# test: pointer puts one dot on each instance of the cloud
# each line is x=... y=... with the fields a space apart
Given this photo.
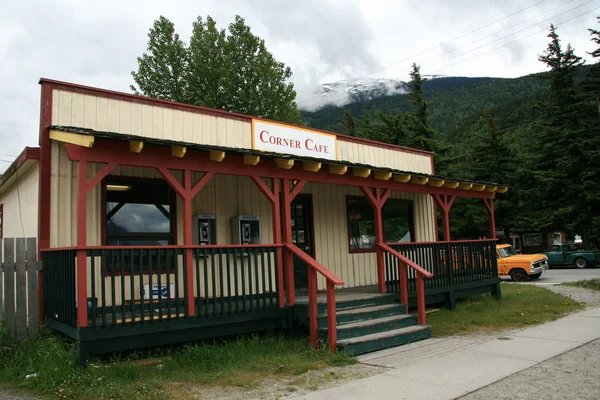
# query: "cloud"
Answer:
x=96 y=43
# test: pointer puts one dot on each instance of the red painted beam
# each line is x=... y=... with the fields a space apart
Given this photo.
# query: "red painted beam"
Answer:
x=196 y=160
x=200 y=184
x=262 y=186
x=297 y=189
x=99 y=176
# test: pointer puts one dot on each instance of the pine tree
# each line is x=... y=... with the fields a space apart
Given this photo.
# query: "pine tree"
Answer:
x=422 y=135
x=553 y=150
x=348 y=124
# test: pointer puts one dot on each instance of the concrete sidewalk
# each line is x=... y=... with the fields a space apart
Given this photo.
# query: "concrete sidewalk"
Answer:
x=450 y=368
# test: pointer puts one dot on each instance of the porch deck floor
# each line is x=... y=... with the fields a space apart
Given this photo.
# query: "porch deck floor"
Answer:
x=344 y=294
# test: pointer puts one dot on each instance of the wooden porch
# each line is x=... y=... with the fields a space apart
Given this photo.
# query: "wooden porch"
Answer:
x=234 y=289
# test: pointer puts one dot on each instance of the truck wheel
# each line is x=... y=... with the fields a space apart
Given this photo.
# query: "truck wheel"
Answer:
x=581 y=263
x=518 y=275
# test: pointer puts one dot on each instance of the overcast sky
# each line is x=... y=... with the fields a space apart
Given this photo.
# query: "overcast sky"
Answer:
x=96 y=43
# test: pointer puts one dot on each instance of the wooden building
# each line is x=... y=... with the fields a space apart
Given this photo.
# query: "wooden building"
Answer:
x=160 y=222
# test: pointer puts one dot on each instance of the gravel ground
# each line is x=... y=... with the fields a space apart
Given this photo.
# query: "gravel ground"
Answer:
x=6 y=394
x=590 y=297
x=571 y=375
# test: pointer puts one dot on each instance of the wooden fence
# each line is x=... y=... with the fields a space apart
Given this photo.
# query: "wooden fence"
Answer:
x=19 y=300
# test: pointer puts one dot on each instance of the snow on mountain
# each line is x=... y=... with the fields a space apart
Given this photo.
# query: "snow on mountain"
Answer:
x=357 y=90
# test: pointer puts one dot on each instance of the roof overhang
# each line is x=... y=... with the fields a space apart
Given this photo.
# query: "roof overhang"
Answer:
x=86 y=138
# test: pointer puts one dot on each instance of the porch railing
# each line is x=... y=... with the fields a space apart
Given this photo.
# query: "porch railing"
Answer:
x=235 y=279
x=402 y=262
x=58 y=277
x=451 y=263
x=141 y=284
x=315 y=267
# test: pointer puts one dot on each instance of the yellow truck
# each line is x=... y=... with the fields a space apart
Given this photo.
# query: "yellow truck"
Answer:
x=520 y=267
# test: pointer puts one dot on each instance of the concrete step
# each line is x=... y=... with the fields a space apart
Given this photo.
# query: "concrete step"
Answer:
x=370 y=326
x=382 y=340
x=363 y=313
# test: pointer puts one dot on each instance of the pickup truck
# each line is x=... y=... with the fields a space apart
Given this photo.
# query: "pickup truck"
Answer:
x=520 y=267
x=565 y=254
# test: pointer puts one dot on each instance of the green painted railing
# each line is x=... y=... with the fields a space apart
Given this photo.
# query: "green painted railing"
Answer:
x=235 y=279
x=58 y=286
x=129 y=285
x=143 y=284
x=451 y=263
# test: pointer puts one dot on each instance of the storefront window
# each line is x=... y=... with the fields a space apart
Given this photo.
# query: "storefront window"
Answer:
x=397 y=222
x=139 y=213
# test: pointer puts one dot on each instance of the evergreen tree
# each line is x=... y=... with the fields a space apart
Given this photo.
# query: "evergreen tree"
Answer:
x=348 y=124
x=422 y=135
x=233 y=72
x=162 y=73
x=554 y=150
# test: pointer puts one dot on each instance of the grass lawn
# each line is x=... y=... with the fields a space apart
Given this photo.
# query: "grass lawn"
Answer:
x=593 y=284
x=521 y=305
x=244 y=362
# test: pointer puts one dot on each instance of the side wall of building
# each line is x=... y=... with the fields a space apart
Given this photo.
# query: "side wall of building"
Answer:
x=20 y=203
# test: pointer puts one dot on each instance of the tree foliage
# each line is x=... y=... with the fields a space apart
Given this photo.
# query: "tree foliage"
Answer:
x=539 y=135
x=231 y=70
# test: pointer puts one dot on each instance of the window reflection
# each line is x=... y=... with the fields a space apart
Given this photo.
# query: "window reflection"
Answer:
x=140 y=215
x=397 y=222
x=138 y=218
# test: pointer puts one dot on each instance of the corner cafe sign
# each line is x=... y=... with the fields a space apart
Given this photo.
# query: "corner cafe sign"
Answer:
x=279 y=138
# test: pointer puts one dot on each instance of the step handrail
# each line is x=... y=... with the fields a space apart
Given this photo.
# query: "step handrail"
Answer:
x=332 y=282
x=403 y=262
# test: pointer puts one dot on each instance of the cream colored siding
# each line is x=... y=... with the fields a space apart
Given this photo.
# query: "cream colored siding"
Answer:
x=331 y=232
x=157 y=122
x=117 y=116
x=383 y=157
x=20 y=203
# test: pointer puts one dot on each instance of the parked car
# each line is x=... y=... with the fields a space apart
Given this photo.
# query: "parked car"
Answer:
x=520 y=267
x=565 y=254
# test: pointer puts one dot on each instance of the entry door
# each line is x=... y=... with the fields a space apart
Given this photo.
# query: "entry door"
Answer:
x=302 y=234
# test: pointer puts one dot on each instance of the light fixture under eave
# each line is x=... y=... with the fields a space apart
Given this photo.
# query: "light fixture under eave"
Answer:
x=118 y=188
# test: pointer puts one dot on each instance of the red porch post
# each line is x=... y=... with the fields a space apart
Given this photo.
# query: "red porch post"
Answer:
x=187 y=191
x=489 y=204
x=288 y=197
x=273 y=197
x=83 y=187
x=444 y=201
x=377 y=201
x=82 y=318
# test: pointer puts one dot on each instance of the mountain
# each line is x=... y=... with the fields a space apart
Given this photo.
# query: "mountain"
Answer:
x=353 y=91
x=455 y=102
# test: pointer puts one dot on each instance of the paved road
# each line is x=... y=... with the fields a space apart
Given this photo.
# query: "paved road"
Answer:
x=571 y=375
x=561 y=275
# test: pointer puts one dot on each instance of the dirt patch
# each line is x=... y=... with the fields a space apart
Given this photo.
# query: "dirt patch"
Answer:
x=277 y=388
